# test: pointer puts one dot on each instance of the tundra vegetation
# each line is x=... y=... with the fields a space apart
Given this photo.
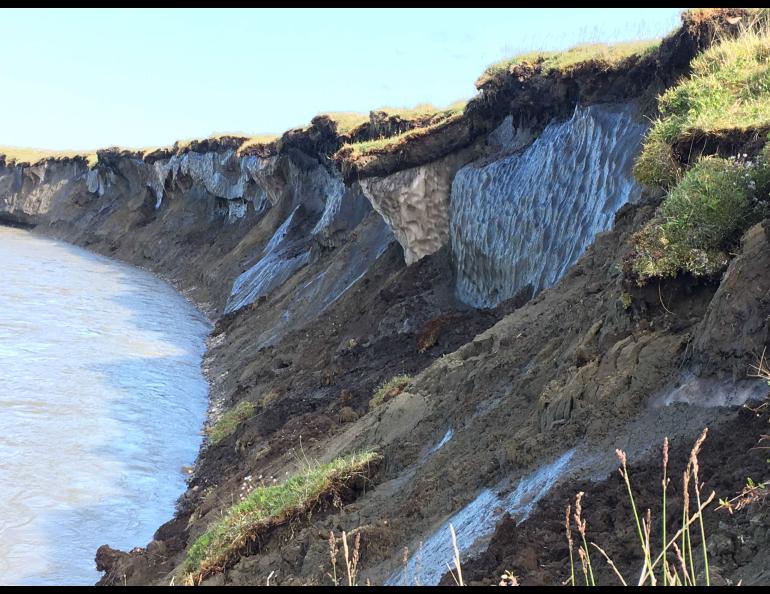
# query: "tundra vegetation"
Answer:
x=230 y=420
x=389 y=390
x=268 y=506
x=712 y=199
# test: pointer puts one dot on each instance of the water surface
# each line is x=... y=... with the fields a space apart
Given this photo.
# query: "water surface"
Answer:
x=102 y=401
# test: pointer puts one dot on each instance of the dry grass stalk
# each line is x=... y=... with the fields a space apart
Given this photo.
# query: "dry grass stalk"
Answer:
x=457 y=574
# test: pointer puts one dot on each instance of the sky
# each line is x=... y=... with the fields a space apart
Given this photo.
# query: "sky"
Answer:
x=90 y=78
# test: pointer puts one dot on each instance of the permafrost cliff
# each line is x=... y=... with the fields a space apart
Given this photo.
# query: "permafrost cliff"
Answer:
x=484 y=259
x=519 y=222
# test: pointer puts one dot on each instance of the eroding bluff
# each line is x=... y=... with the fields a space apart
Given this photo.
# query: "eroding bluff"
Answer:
x=518 y=222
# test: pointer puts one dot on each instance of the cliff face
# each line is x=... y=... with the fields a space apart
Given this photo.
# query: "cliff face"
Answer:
x=483 y=258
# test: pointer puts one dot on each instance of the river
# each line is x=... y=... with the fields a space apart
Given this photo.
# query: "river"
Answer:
x=102 y=401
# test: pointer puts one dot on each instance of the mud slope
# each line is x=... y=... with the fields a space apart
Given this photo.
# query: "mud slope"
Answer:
x=571 y=368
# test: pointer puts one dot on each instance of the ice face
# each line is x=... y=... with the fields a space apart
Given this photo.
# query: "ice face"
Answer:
x=522 y=220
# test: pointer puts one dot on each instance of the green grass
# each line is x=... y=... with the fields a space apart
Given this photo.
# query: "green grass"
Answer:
x=33 y=156
x=347 y=121
x=378 y=145
x=728 y=91
x=709 y=205
x=602 y=53
x=230 y=420
x=269 y=506
x=424 y=111
x=702 y=217
x=390 y=390
x=429 y=116
x=257 y=140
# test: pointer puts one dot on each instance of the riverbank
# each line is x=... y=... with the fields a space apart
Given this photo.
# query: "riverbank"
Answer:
x=330 y=271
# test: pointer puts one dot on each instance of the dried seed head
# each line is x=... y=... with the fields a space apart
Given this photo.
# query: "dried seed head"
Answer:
x=621 y=456
x=579 y=521
x=567 y=526
x=686 y=490
x=694 y=455
x=356 y=550
x=333 y=548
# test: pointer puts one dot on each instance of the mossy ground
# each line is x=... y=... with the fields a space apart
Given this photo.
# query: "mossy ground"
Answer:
x=268 y=506
x=390 y=390
x=711 y=201
x=230 y=420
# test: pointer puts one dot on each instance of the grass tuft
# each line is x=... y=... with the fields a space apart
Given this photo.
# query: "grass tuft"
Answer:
x=268 y=506
x=230 y=420
x=671 y=573
x=727 y=92
x=390 y=390
x=602 y=53
x=702 y=217
x=35 y=156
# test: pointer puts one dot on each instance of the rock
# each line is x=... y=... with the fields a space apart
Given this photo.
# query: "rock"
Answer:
x=346 y=396
x=107 y=558
x=721 y=544
x=735 y=330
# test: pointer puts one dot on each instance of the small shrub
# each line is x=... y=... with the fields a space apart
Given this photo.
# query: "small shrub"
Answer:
x=269 y=398
x=230 y=420
x=701 y=219
x=656 y=165
x=625 y=300
x=654 y=256
x=714 y=201
x=390 y=390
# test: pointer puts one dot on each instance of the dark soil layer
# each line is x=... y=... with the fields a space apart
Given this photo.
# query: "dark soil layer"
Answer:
x=739 y=544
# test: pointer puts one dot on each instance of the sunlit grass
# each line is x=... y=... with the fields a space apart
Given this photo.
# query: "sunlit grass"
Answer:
x=33 y=156
x=728 y=92
x=390 y=390
x=268 y=506
x=230 y=421
x=439 y=119
x=605 y=54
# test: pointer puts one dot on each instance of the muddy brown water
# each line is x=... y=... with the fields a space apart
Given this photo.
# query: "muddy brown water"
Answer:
x=102 y=400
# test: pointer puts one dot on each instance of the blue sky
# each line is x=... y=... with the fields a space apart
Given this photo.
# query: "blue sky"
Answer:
x=82 y=79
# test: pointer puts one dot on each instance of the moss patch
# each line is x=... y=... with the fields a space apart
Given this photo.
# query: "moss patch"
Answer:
x=390 y=390
x=701 y=219
x=267 y=507
x=230 y=420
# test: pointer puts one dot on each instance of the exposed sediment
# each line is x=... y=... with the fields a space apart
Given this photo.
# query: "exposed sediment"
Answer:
x=328 y=275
